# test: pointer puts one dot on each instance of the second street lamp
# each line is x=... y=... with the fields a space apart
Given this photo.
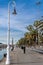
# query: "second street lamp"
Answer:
x=8 y=43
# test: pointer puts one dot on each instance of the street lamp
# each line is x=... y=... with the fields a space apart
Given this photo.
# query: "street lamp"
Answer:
x=8 y=43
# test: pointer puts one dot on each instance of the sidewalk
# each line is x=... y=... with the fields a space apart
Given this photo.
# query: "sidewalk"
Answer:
x=30 y=58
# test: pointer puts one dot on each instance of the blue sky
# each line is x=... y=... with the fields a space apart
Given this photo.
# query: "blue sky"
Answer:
x=27 y=13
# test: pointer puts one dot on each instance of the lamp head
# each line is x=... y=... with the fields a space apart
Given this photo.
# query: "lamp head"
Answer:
x=14 y=12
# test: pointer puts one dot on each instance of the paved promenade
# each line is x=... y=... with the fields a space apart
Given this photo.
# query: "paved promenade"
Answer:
x=30 y=58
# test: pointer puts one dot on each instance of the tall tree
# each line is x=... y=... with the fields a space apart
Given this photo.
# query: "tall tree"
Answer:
x=30 y=28
x=36 y=24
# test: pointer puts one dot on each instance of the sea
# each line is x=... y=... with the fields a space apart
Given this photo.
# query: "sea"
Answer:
x=2 y=52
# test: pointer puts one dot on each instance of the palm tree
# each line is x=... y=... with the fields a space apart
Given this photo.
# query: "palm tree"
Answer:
x=30 y=28
x=32 y=34
x=36 y=24
x=28 y=38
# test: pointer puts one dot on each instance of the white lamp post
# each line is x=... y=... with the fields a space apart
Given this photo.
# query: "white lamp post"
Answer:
x=8 y=43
